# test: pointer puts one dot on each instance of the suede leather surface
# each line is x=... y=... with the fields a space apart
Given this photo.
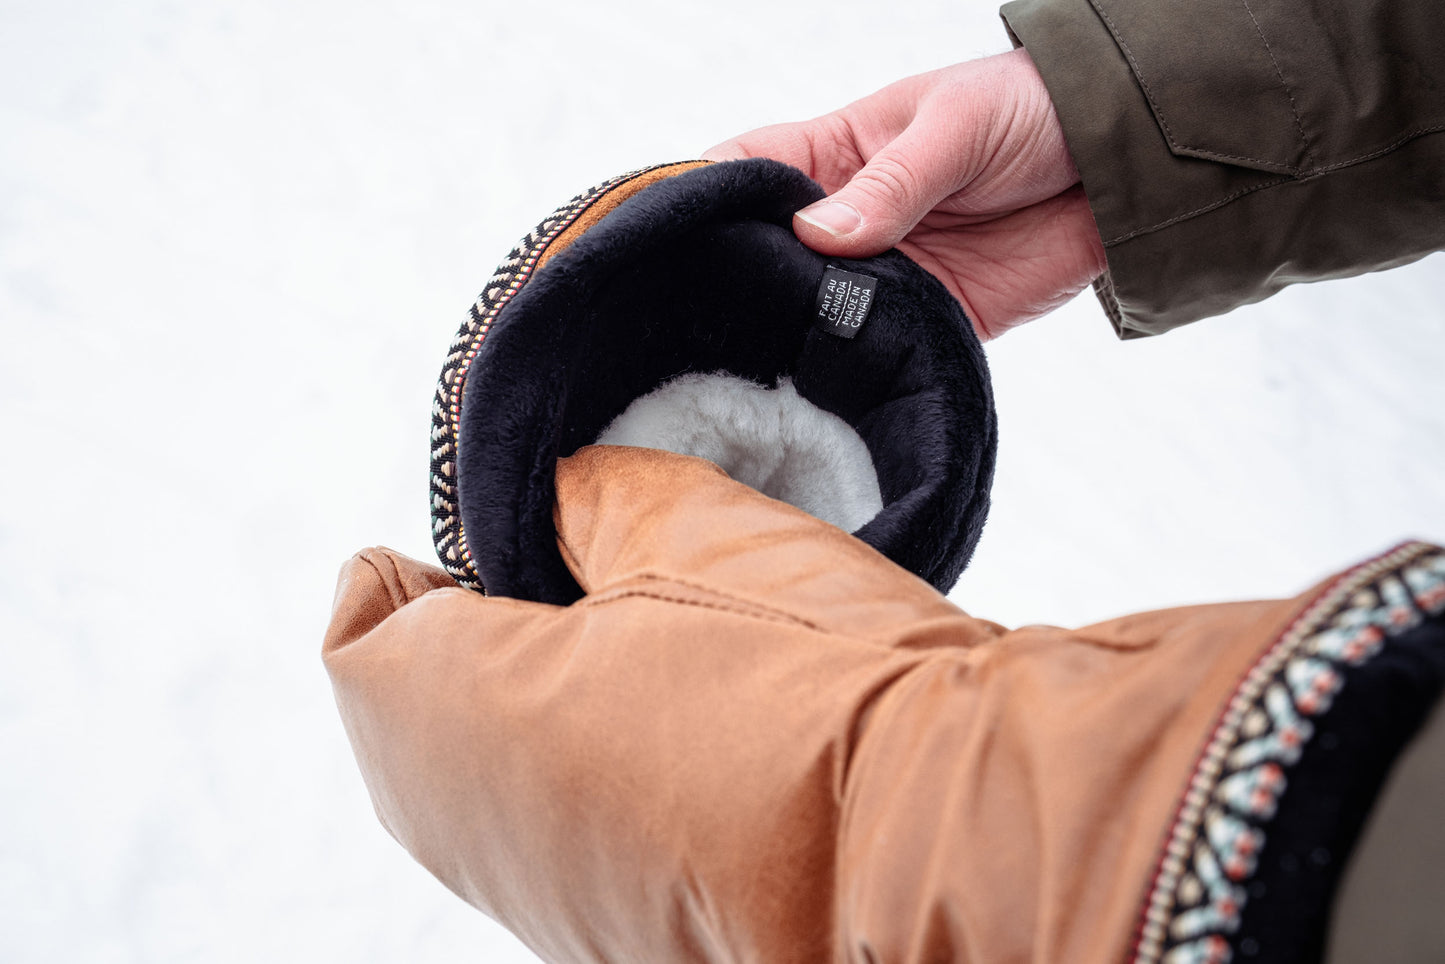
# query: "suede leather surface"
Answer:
x=700 y=272
x=769 y=743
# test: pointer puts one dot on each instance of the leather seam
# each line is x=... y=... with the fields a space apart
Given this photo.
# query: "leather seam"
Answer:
x=781 y=614
x=727 y=606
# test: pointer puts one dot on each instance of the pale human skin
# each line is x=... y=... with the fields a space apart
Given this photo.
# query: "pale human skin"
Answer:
x=965 y=170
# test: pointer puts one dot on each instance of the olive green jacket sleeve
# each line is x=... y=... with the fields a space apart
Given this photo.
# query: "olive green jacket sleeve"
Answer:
x=1231 y=147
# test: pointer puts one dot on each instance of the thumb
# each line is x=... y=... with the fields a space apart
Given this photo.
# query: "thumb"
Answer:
x=887 y=198
x=372 y=585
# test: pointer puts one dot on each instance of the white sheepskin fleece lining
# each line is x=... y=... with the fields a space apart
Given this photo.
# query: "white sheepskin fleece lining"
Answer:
x=772 y=439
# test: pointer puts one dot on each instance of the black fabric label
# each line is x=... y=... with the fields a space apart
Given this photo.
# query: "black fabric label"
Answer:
x=844 y=299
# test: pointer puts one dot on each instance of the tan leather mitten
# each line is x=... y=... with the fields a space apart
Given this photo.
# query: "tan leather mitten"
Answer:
x=756 y=739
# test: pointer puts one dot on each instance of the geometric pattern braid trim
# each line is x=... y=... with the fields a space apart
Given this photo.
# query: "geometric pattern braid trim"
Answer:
x=447 y=533
x=1199 y=887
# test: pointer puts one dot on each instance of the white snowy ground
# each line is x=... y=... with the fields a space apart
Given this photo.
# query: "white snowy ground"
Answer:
x=235 y=239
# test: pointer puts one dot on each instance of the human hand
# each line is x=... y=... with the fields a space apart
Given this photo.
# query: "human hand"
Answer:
x=963 y=169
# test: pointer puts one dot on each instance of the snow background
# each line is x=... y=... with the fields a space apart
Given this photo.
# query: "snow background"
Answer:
x=235 y=240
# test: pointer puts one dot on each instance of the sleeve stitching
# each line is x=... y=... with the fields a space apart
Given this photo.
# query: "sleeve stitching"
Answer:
x=1205 y=209
x=1293 y=107
x=1399 y=142
x=1310 y=175
x=1153 y=102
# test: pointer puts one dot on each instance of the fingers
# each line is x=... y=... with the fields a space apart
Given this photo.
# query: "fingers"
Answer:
x=886 y=161
x=794 y=144
x=886 y=199
x=726 y=151
x=910 y=167
x=978 y=139
x=963 y=140
x=1013 y=269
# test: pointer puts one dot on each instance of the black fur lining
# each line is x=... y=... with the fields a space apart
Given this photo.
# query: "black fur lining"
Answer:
x=701 y=272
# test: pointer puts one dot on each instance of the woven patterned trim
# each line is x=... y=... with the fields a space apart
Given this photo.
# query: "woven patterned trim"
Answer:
x=447 y=533
x=1199 y=887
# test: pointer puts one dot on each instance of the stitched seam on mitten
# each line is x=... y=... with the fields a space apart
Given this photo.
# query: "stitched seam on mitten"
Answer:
x=721 y=603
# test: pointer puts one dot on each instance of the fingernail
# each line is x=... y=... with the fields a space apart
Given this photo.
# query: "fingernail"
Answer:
x=835 y=217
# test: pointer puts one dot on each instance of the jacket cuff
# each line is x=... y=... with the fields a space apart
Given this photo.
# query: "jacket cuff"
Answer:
x=1105 y=119
x=1139 y=185
x=1209 y=175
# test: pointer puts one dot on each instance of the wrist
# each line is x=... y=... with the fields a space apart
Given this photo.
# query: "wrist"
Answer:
x=1043 y=144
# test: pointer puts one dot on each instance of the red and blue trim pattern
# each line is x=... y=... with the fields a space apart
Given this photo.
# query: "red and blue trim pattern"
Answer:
x=1241 y=848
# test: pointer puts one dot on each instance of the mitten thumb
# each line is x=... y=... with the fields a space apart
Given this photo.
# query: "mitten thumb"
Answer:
x=372 y=585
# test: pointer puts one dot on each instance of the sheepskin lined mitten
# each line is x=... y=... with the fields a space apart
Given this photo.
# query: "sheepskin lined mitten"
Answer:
x=674 y=308
x=757 y=739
